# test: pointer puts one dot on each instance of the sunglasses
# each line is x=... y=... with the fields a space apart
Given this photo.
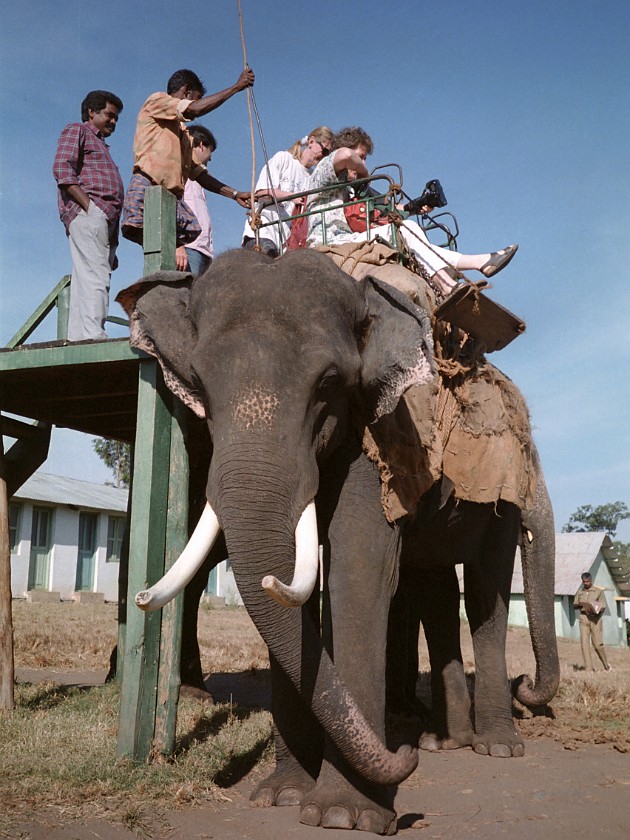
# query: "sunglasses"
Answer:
x=325 y=151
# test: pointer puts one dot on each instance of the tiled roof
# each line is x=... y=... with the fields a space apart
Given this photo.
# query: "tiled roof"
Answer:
x=56 y=489
x=575 y=553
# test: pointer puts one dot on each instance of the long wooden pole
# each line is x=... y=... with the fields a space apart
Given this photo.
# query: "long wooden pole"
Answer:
x=7 y=668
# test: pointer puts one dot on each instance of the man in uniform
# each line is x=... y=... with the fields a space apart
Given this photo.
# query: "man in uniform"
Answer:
x=590 y=602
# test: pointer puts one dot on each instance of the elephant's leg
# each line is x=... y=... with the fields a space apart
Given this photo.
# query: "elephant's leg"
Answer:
x=190 y=665
x=487 y=585
x=298 y=740
x=402 y=645
x=361 y=581
x=439 y=599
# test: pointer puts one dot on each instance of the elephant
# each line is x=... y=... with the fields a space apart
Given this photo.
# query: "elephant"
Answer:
x=287 y=361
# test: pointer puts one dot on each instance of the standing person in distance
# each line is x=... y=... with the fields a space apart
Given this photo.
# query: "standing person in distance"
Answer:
x=590 y=601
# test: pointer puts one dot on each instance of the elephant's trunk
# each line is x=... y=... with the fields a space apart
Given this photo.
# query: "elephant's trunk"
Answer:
x=257 y=511
x=538 y=560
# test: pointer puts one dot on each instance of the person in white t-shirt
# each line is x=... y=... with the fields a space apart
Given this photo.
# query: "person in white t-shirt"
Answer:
x=287 y=172
x=197 y=255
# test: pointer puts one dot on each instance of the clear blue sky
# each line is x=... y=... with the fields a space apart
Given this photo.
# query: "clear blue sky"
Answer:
x=521 y=109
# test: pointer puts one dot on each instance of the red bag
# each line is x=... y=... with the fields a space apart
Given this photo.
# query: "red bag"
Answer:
x=356 y=217
x=299 y=229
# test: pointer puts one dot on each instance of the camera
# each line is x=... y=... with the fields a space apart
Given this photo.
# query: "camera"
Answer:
x=433 y=196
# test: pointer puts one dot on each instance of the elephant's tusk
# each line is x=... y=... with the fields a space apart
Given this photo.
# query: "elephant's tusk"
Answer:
x=306 y=564
x=187 y=564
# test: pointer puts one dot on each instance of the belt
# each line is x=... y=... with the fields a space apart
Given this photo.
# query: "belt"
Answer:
x=144 y=175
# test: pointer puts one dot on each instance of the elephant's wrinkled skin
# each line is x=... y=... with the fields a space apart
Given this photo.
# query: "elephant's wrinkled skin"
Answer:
x=287 y=360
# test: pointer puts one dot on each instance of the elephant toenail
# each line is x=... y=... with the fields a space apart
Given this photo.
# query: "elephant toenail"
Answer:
x=518 y=750
x=264 y=798
x=500 y=751
x=371 y=821
x=429 y=743
x=337 y=817
x=310 y=814
x=289 y=796
x=482 y=749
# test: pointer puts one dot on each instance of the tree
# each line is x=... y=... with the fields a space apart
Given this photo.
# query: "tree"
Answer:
x=116 y=456
x=599 y=518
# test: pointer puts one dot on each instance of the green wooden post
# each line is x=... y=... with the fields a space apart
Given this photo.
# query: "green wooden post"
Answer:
x=7 y=665
x=159 y=230
x=176 y=538
x=63 y=311
x=146 y=555
x=158 y=531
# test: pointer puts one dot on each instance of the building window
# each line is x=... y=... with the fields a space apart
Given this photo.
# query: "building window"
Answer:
x=115 y=533
x=14 y=526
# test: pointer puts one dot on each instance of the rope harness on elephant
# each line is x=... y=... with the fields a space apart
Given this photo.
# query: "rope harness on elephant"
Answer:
x=471 y=425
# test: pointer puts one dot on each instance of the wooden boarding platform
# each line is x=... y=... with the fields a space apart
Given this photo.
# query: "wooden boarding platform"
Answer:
x=106 y=388
x=88 y=386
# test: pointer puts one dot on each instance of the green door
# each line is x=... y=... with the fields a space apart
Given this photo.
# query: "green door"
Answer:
x=211 y=588
x=39 y=565
x=85 y=556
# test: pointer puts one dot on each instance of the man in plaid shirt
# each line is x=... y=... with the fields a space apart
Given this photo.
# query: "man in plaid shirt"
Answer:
x=90 y=200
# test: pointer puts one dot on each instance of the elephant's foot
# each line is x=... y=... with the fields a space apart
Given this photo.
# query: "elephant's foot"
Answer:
x=342 y=806
x=431 y=742
x=505 y=743
x=282 y=788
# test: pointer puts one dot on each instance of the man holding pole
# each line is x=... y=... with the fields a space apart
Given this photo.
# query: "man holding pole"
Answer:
x=162 y=151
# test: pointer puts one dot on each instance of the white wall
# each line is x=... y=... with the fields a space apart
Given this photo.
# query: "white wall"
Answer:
x=63 y=554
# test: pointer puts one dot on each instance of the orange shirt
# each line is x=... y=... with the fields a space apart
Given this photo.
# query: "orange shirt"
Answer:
x=162 y=147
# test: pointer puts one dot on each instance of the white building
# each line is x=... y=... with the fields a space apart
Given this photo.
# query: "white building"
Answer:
x=66 y=537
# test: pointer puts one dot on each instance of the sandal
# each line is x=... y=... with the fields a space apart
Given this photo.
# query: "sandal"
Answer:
x=498 y=261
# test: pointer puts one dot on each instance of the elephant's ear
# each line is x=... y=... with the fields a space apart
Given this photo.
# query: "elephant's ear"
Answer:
x=396 y=347
x=157 y=307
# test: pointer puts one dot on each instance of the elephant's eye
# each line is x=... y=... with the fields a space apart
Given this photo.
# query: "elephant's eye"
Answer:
x=328 y=383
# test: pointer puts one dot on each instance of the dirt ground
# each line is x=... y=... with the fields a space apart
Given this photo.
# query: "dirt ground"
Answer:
x=559 y=789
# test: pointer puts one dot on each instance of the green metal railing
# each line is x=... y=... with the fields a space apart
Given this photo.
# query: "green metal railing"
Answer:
x=385 y=201
x=59 y=297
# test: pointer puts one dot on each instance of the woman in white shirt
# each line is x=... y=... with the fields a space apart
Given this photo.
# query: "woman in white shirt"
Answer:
x=287 y=172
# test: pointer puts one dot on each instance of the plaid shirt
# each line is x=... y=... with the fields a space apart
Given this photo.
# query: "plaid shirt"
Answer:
x=83 y=159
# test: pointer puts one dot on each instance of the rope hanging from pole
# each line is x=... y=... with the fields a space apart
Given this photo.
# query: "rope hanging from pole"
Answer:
x=253 y=213
x=255 y=220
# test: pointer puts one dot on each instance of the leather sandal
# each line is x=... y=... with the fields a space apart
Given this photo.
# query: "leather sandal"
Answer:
x=498 y=261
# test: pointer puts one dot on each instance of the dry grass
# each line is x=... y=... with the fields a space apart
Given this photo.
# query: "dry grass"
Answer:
x=58 y=749
x=62 y=636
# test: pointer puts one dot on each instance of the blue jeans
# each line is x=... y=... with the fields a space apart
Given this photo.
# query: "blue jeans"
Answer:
x=198 y=263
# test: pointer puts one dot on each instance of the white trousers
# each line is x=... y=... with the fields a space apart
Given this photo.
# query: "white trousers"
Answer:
x=92 y=260
x=431 y=256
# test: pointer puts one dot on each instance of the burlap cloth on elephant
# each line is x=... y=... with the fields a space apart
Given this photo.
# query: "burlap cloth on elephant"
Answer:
x=471 y=425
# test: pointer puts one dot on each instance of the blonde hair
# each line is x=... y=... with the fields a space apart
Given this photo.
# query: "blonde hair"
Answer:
x=322 y=134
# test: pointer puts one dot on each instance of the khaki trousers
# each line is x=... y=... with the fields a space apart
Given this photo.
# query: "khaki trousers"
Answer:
x=92 y=260
x=591 y=630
